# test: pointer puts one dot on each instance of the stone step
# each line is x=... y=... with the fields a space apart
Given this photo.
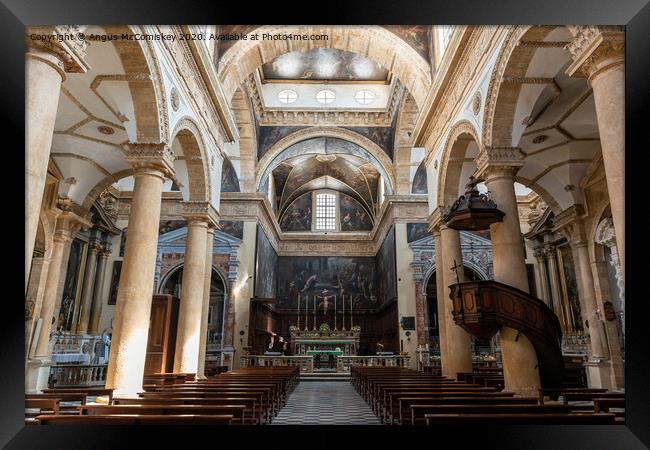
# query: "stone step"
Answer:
x=325 y=376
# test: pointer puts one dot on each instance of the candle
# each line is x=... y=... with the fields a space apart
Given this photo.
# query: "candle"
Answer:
x=335 y=313
x=343 y=300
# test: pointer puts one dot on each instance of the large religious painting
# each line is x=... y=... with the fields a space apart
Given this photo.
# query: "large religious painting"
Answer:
x=416 y=231
x=386 y=268
x=266 y=262
x=352 y=215
x=323 y=64
x=229 y=180
x=297 y=217
x=346 y=277
x=234 y=228
x=419 y=185
x=269 y=135
x=72 y=285
x=382 y=136
x=115 y=282
x=570 y=289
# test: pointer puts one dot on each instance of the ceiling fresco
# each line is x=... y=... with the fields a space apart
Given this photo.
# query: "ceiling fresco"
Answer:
x=382 y=136
x=267 y=136
x=417 y=36
x=341 y=172
x=323 y=64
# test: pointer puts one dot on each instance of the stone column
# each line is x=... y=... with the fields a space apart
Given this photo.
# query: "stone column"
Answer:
x=67 y=224
x=88 y=285
x=599 y=55
x=188 y=333
x=200 y=373
x=96 y=307
x=459 y=354
x=440 y=294
x=152 y=164
x=543 y=276
x=46 y=63
x=498 y=167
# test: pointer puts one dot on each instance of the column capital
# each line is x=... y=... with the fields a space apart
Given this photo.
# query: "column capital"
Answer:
x=106 y=249
x=200 y=211
x=70 y=220
x=595 y=49
x=540 y=255
x=499 y=161
x=94 y=246
x=145 y=157
x=569 y=223
x=64 y=47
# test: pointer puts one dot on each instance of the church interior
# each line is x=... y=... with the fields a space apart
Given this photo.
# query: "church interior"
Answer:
x=397 y=225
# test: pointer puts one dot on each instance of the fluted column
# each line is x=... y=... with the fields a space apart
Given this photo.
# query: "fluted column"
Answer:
x=186 y=358
x=46 y=63
x=599 y=55
x=152 y=164
x=88 y=285
x=96 y=307
x=498 y=167
x=200 y=373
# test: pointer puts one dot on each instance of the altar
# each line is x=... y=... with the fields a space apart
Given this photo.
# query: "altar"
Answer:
x=325 y=344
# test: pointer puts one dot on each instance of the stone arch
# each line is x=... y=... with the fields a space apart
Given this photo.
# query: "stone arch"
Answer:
x=265 y=164
x=245 y=120
x=405 y=124
x=374 y=42
x=196 y=158
x=145 y=84
x=172 y=270
x=452 y=160
x=103 y=185
x=432 y=269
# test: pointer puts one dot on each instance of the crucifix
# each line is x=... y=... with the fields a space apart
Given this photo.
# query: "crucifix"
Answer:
x=455 y=269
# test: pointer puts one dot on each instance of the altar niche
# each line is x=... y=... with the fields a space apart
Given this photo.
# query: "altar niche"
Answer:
x=325 y=345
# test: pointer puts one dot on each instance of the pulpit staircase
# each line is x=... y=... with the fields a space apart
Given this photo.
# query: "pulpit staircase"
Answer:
x=482 y=308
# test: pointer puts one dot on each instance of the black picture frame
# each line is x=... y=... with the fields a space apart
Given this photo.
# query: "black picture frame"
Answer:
x=635 y=14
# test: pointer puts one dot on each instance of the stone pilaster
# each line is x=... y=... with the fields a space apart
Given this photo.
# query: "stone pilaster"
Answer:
x=543 y=276
x=598 y=54
x=152 y=164
x=46 y=64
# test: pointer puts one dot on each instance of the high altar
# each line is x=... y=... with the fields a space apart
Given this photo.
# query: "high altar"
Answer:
x=325 y=341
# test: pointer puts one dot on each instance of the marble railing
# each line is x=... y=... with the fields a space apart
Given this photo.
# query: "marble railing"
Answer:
x=77 y=375
x=306 y=363
x=343 y=363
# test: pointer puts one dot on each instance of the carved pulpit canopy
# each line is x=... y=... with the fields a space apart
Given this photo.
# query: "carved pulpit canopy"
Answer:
x=473 y=211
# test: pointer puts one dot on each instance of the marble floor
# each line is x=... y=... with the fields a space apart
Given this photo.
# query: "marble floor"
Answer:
x=325 y=403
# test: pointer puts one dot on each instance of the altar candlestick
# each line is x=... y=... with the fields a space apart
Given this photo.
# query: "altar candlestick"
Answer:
x=343 y=301
x=335 y=328
x=350 y=313
x=314 y=313
x=298 y=325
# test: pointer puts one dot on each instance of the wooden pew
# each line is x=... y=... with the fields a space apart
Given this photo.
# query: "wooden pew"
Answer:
x=135 y=420
x=90 y=392
x=419 y=412
x=603 y=405
x=40 y=406
x=236 y=411
x=252 y=411
x=520 y=419
x=401 y=401
x=79 y=398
